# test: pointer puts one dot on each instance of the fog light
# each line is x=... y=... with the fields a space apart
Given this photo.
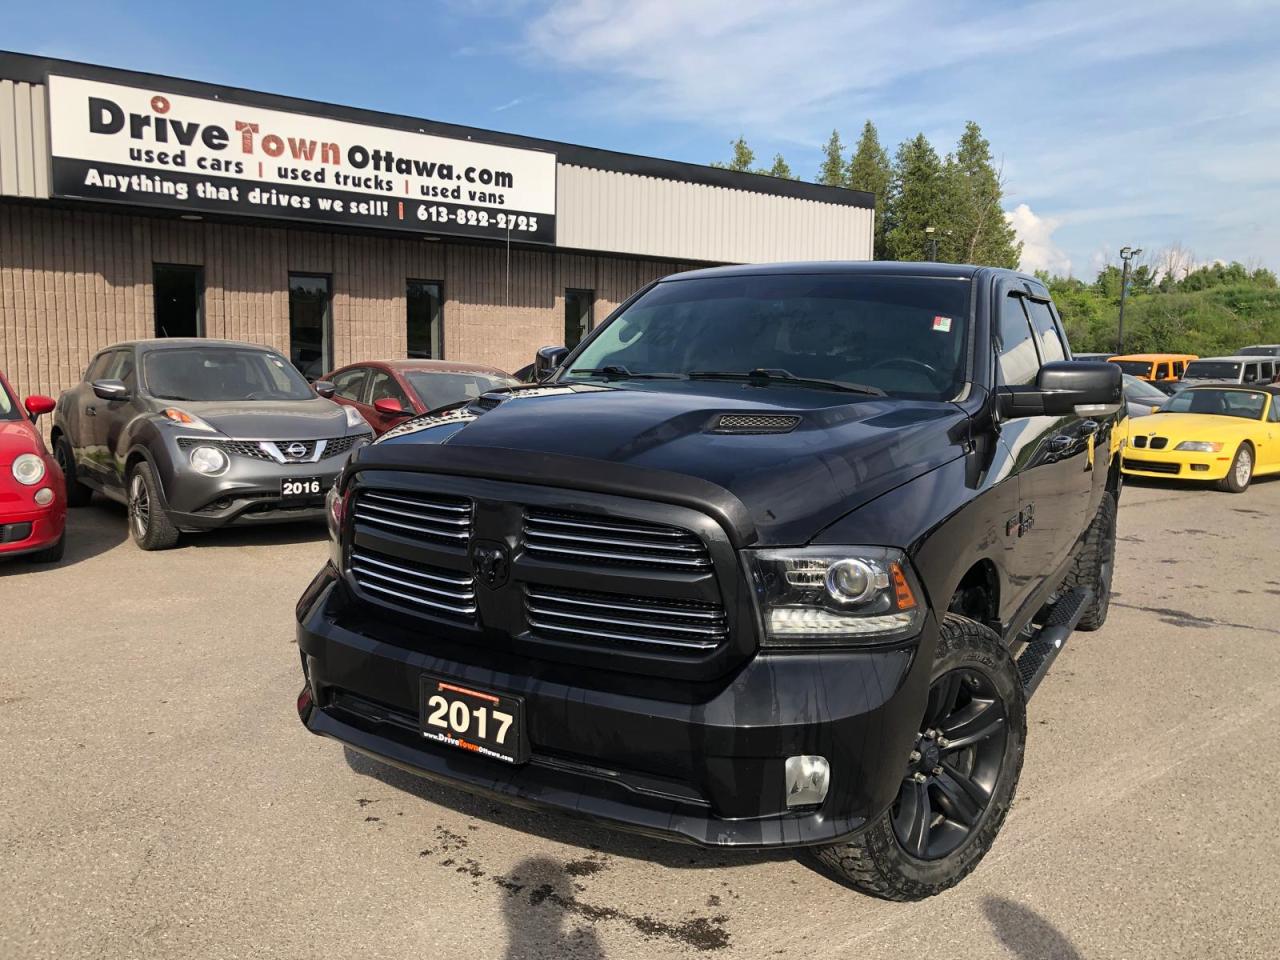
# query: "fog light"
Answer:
x=1199 y=466
x=44 y=496
x=807 y=780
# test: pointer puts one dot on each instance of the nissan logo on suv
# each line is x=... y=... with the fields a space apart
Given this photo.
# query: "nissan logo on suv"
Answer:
x=296 y=450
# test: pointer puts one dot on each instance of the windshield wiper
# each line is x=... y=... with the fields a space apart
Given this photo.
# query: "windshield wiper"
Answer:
x=616 y=371
x=762 y=375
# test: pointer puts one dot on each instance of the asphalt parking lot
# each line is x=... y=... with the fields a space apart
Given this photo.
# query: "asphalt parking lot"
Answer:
x=159 y=798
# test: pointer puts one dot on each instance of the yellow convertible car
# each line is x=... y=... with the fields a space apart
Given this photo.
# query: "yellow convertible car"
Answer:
x=1213 y=432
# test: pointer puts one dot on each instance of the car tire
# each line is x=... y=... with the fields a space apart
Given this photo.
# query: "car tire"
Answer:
x=78 y=495
x=971 y=793
x=1240 y=474
x=50 y=554
x=1094 y=564
x=149 y=524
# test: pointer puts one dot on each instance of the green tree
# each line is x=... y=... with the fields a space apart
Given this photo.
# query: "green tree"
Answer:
x=869 y=170
x=918 y=198
x=780 y=168
x=980 y=232
x=832 y=171
x=743 y=160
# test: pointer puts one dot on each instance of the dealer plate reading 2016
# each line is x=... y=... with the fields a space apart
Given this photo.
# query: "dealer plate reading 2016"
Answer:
x=301 y=487
x=489 y=724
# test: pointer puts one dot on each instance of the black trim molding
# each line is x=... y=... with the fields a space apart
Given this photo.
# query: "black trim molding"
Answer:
x=27 y=68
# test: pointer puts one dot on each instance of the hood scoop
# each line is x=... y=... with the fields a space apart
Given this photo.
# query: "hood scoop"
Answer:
x=756 y=423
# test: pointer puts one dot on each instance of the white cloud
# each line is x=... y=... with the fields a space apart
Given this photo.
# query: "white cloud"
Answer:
x=1039 y=252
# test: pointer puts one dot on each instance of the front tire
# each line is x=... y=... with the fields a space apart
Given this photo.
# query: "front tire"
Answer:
x=959 y=781
x=1241 y=473
x=149 y=525
x=78 y=495
x=1094 y=564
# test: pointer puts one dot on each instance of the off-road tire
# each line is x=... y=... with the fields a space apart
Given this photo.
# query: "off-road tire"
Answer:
x=78 y=495
x=155 y=531
x=1094 y=564
x=50 y=554
x=1231 y=483
x=874 y=862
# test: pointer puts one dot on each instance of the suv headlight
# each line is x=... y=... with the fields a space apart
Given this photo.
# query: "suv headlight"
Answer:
x=835 y=596
x=28 y=469
x=209 y=460
x=1199 y=446
x=355 y=418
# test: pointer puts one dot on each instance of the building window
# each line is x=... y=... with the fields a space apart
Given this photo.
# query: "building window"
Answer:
x=179 y=300
x=424 y=305
x=310 y=324
x=578 y=306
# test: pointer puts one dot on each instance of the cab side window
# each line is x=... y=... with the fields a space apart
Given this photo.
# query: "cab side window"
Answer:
x=384 y=387
x=122 y=369
x=1178 y=367
x=1051 y=347
x=1250 y=373
x=350 y=385
x=97 y=367
x=1162 y=371
x=1019 y=363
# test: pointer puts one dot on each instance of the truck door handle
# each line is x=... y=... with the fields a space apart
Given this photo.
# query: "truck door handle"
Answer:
x=1088 y=428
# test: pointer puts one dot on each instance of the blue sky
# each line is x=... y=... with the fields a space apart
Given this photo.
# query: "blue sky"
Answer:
x=1149 y=124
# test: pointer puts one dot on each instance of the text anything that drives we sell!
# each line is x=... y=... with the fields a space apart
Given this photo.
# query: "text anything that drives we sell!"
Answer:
x=128 y=145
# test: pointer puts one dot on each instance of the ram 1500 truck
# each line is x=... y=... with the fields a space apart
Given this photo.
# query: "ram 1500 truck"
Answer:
x=774 y=558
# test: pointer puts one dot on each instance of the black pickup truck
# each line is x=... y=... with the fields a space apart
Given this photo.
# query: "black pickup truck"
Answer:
x=774 y=558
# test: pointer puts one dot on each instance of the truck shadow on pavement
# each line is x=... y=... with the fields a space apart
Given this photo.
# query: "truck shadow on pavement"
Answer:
x=1026 y=934
x=557 y=827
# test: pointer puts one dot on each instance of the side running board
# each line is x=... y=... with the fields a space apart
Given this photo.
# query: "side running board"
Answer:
x=1038 y=657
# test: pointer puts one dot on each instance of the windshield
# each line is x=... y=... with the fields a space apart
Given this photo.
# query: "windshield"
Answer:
x=1139 y=390
x=1248 y=404
x=222 y=373
x=1135 y=368
x=1212 y=370
x=8 y=406
x=903 y=335
x=444 y=389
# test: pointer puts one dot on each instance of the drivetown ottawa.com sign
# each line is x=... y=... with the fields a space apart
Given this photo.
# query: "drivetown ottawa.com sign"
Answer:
x=195 y=154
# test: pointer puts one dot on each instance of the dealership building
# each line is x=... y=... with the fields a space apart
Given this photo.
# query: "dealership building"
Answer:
x=135 y=205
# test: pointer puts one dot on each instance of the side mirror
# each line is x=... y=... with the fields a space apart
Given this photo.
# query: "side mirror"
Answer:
x=325 y=388
x=39 y=404
x=110 y=389
x=391 y=408
x=1066 y=387
x=547 y=360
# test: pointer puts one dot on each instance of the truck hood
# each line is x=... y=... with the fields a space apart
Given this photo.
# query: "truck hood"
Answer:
x=843 y=451
x=315 y=419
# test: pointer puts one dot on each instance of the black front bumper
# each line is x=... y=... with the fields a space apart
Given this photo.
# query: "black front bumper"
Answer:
x=697 y=762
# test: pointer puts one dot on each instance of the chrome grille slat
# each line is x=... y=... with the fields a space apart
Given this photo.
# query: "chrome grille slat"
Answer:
x=381 y=497
x=627 y=542
x=575 y=615
x=420 y=587
x=428 y=516
x=369 y=504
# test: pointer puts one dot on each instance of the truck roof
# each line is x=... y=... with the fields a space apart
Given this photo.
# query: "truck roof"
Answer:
x=869 y=268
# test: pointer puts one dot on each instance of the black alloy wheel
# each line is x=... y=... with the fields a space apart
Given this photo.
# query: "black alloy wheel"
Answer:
x=954 y=766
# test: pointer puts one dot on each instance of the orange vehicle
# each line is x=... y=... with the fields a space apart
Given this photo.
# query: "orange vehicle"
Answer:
x=1157 y=368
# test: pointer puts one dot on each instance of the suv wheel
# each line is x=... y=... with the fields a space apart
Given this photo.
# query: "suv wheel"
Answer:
x=1241 y=472
x=959 y=780
x=1094 y=563
x=149 y=525
x=77 y=493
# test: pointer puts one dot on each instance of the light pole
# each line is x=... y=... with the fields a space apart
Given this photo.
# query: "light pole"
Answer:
x=931 y=244
x=1126 y=254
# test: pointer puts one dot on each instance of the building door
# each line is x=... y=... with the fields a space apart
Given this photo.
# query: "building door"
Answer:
x=424 y=306
x=310 y=324
x=578 y=306
x=179 y=300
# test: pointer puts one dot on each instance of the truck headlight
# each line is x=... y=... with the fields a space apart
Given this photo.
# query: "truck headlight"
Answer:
x=834 y=596
x=1198 y=446
x=209 y=460
x=28 y=469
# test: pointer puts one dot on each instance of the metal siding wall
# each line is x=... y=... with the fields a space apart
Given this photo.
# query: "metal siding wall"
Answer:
x=24 y=141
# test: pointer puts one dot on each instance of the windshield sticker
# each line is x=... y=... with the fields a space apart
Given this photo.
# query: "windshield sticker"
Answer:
x=941 y=324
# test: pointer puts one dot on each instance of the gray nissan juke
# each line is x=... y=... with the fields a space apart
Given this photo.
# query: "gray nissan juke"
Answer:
x=195 y=434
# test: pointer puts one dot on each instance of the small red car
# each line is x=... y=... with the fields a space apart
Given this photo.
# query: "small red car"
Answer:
x=387 y=392
x=33 y=497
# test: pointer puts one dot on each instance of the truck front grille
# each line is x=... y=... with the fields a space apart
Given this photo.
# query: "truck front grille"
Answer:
x=415 y=515
x=608 y=619
x=582 y=537
x=414 y=586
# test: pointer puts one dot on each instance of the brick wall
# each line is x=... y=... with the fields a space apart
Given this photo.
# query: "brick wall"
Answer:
x=72 y=282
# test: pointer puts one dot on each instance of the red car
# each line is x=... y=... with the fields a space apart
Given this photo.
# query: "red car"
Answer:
x=33 y=497
x=386 y=392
